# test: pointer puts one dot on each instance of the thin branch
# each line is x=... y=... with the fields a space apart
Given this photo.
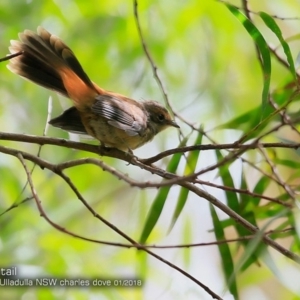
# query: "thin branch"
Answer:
x=220 y=242
x=247 y=13
x=149 y=57
x=10 y=56
x=279 y=180
x=134 y=243
x=253 y=229
x=15 y=205
x=243 y=191
x=188 y=185
x=206 y=147
x=115 y=153
x=141 y=162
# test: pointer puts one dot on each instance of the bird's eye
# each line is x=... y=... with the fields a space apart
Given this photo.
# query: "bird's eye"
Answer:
x=160 y=117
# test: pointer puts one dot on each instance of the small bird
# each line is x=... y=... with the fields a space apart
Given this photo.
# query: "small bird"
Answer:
x=115 y=120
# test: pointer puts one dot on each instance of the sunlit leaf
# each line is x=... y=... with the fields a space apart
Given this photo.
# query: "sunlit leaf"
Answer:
x=269 y=21
x=264 y=51
x=225 y=254
x=160 y=199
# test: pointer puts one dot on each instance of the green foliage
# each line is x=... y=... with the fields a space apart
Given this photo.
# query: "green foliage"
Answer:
x=227 y=259
x=160 y=200
x=263 y=51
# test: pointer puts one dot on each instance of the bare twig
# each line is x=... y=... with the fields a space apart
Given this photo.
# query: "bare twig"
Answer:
x=243 y=191
x=110 y=225
x=115 y=153
x=15 y=205
x=279 y=180
x=220 y=242
x=10 y=56
x=149 y=56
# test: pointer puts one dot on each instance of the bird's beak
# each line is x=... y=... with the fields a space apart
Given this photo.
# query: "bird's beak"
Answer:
x=174 y=124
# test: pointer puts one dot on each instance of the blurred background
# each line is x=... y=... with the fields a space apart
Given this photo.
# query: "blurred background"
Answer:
x=209 y=69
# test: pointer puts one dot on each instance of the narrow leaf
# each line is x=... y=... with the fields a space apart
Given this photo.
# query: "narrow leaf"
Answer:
x=225 y=253
x=264 y=51
x=190 y=167
x=269 y=21
x=160 y=199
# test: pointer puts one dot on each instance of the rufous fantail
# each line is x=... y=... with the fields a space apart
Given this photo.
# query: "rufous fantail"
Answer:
x=115 y=120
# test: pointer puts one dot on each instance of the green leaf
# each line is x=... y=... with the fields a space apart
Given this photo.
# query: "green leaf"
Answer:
x=190 y=167
x=255 y=244
x=231 y=197
x=287 y=162
x=293 y=219
x=225 y=253
x=238 y=206
x=269 y=21
x=260 y=188
x=187 y=237
x=242 y=121
x=262 y=46
x=250 y=122
x=160 y=199
x=248 y=215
